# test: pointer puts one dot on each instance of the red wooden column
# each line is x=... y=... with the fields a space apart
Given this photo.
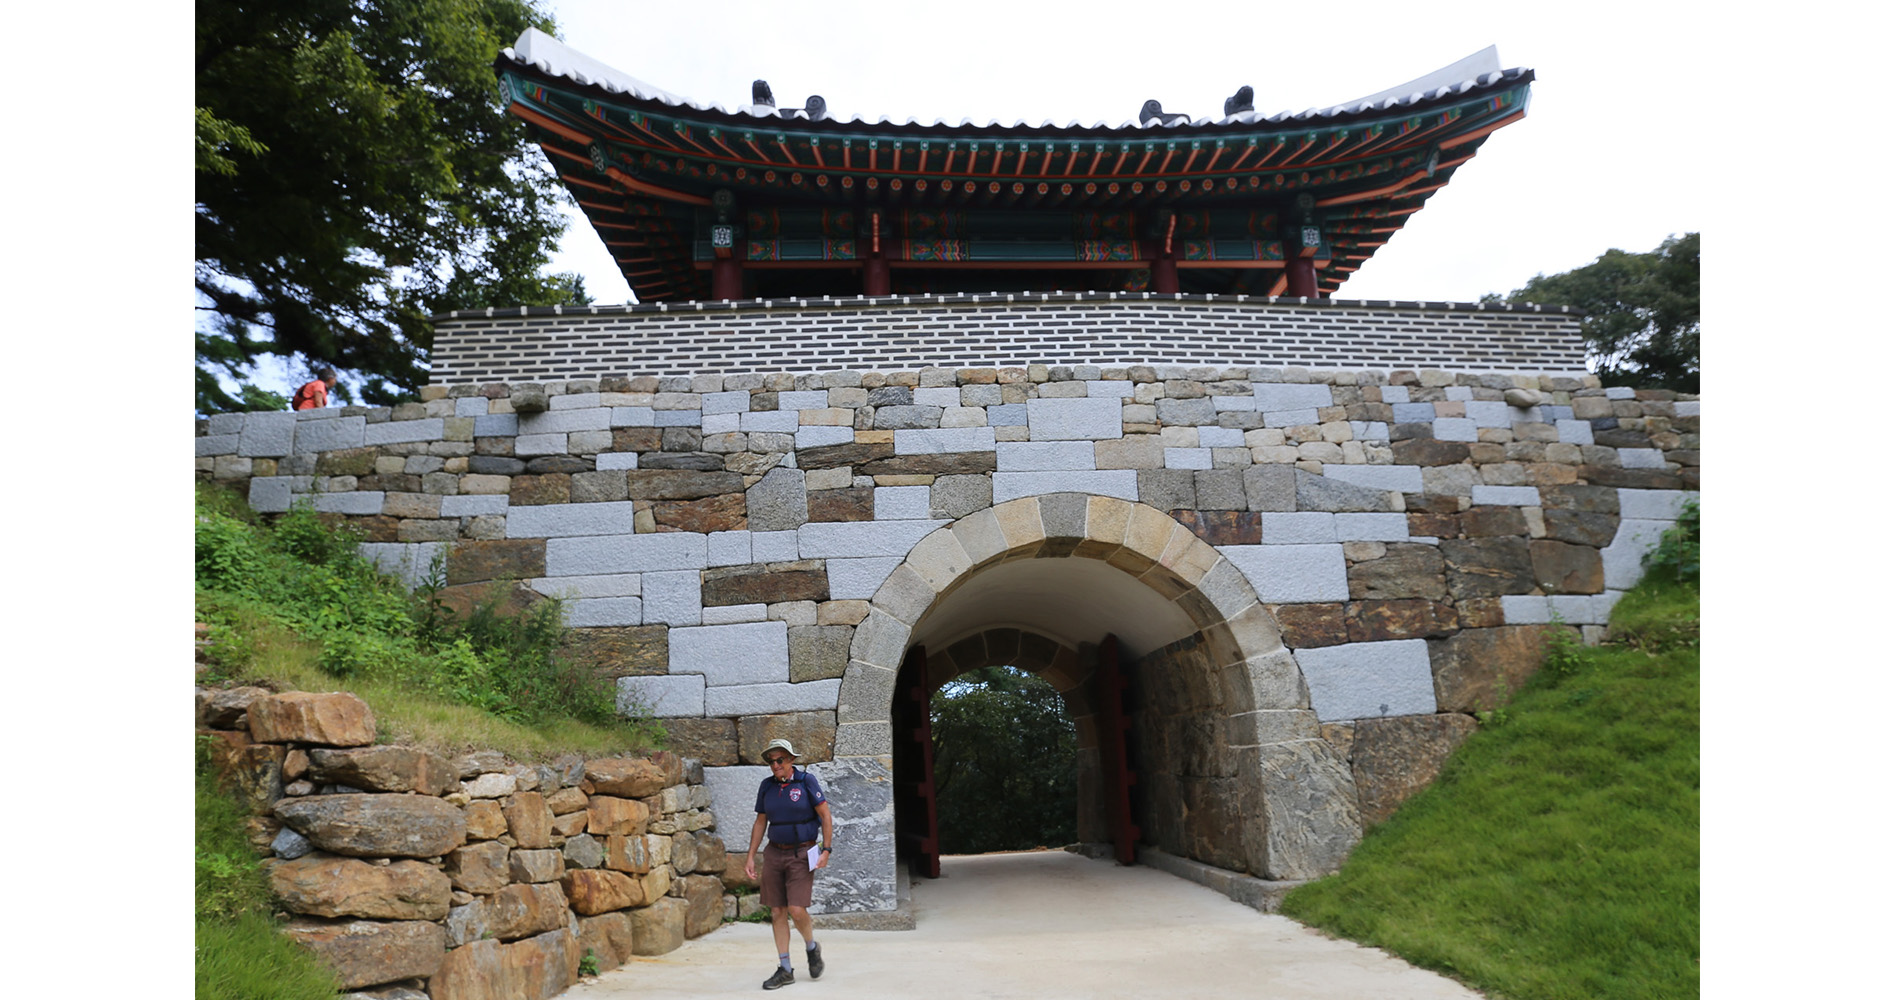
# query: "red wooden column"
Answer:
x=1301 y=278
x=877 y=267
x=1112 y=732
x=1166 y=278
x=728 y=280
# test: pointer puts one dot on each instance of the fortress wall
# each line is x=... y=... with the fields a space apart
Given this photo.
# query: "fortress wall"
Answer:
x=995 y=329
x=729 y=546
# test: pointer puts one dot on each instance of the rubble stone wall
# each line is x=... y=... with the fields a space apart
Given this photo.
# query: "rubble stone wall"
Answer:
x=1367 y=555
x=473 y=878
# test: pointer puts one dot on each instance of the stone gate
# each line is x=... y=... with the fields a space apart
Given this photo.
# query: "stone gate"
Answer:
x=1318 y=576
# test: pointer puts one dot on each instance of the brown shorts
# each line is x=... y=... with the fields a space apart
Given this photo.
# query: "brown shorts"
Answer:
x=786 y=880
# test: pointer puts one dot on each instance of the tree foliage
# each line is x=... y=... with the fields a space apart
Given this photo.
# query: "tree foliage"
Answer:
x=1645 y=312
x=1005 y=763
x=356 y=173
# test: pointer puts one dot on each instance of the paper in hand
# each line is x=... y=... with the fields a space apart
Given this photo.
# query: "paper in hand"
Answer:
x=811 y=857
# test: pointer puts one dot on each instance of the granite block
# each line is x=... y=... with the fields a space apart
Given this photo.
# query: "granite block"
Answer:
x=593 y=612
x=1653 y=505
x=1292 y=574
x=1454 y=428
x=812 y=399
x=732 y=614
x=1289 y=418
x=898 y=503
x=269 y=435
x=769 y=421
x=774 y=546
x=665 y=697
x=578 y=587
x=817 y=436
x=363 y=502
x=728 y=548
x=474 y=506
x=330 y=435
x=1640 y=458
x=944 y=440
x=1222 y=437
x=540 y=444
x=859 y=579
x=1369 y=527
x=772 y=699
x=670 y=597
x=1413 y=413
x=748 y=653
x=1008 y=415
x=1514 y=496
x=631 y=416
x=1361 y=680
x=1575 y=432
x=862 y=538
x=1271 y=397
x=1109 y=482
x=1075 y=419
x=1187 y=458
x=1044 y=456
x=570 y=519
x=1303 y=528
x=617 y=461
x=497 y=425
x=626 y=553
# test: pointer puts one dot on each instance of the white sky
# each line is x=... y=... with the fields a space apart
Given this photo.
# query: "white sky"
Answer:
x=1603 y=159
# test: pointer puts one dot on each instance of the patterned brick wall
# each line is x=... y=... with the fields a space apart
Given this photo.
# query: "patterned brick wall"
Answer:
x=547 y=343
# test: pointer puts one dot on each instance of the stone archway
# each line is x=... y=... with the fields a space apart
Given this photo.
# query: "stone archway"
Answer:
x=1286 y=810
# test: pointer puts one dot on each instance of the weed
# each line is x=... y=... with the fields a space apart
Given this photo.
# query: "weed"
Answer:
x=590 y=966
x=1678 y=553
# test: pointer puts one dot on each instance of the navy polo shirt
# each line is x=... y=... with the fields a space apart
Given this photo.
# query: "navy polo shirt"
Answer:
x=790 y=807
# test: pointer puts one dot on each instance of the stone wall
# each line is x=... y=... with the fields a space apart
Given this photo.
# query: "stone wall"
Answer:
x=469 y=878
x=1361 y=558
x=994 y=329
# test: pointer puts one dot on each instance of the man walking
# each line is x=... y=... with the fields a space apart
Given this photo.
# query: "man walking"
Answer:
x=792 y=812
x=315 y=394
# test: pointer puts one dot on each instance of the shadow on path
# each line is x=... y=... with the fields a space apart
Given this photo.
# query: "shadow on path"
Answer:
x=1045 y=924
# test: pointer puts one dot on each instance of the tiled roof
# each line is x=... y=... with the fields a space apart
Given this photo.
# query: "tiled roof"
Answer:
x=1480 y=69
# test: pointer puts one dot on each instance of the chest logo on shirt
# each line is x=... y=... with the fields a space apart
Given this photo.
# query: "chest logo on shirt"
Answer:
x=795 y=793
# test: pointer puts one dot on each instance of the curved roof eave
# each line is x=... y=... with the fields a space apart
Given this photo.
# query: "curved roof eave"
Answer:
x=556 y=60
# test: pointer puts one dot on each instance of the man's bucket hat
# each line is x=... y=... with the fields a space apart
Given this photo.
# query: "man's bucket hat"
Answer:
x=785 y=745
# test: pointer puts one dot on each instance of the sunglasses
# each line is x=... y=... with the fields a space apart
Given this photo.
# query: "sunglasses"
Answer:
x=776 y=761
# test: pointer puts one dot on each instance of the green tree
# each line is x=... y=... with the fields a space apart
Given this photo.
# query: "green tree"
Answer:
x=356 y=173
x=1645 y=312
x=1005 y=763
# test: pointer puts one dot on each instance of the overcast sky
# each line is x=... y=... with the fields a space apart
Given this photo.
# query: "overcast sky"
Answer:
x=1605 y=158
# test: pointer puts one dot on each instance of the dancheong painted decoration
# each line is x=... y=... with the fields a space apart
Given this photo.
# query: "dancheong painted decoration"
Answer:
x=697 y=202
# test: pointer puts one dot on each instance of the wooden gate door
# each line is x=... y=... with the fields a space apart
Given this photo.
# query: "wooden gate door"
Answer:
x=914 y=785
x=1117 y=775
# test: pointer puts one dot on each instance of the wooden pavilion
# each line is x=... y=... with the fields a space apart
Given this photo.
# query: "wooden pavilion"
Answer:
x=697 y=202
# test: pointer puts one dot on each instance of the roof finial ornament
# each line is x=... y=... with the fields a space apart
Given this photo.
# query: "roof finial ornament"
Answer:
x=1152 y=110
x=762 y=94
x=814 y=108
x=1241 y=102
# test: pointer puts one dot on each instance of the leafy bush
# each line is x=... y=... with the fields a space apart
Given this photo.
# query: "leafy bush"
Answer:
x=1005 y=763
x=303 y=572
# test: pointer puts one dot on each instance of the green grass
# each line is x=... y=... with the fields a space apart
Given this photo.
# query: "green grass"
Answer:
x=291 y=606
x=240 y=955
x=1557 y=855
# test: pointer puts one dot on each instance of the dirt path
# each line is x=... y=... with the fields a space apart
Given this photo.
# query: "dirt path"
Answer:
x=1045 y=924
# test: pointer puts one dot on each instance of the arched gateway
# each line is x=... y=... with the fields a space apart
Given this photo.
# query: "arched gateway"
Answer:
x=1233 y=769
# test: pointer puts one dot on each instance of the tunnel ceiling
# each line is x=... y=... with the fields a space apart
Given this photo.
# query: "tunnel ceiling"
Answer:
x=1075 y=600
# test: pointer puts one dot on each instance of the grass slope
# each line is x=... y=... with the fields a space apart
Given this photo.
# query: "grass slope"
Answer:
x=1557 y=855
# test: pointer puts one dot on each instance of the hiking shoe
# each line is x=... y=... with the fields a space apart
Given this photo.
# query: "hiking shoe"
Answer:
x=815 y=959
x=781 y=976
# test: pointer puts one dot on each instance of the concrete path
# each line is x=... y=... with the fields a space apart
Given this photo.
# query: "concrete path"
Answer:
x=1044 y=924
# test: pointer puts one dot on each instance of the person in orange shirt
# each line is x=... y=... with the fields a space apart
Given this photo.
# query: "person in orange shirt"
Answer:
x=315 y=393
